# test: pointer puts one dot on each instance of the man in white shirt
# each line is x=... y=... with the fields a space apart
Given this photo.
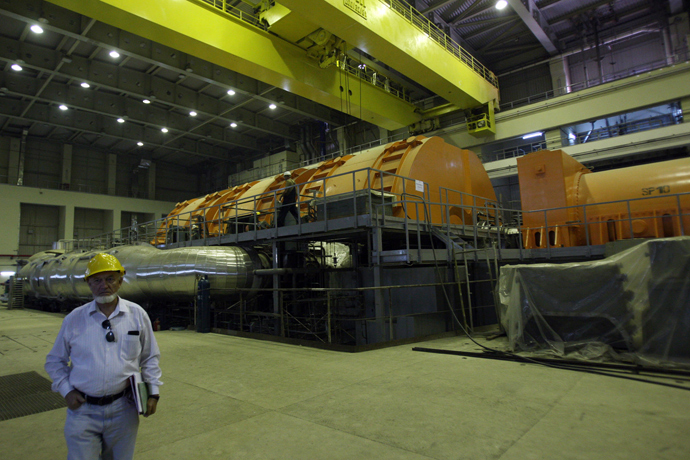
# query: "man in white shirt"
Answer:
x=101 y=344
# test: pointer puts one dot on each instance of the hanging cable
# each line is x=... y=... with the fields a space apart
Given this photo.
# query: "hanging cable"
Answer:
x=361 y=70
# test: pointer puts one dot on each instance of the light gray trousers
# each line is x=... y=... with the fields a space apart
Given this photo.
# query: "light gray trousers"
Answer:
x=102 y=432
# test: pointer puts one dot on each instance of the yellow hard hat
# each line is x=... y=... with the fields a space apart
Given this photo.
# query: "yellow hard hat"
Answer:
x=103 y=262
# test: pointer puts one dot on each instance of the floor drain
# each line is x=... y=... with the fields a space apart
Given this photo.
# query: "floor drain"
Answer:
x=25 y=394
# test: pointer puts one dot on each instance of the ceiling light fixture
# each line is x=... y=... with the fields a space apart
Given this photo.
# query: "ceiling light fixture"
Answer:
x=272 y=106
x=192 y=113
x=146 y=101
x=140 y=144
x=120 y=120
x=16 y=67
x=531 y=135
x=165 y=130
x=63 y=107
x=233 y=125
x=500 y=4
x=85 y=85
x=231 y=92
x=36 y=29
x=114 y=54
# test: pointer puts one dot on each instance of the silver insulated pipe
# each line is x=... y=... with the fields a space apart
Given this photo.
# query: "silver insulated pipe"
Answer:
x=151 y=274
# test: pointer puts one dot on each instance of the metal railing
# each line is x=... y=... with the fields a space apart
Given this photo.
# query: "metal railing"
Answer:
x=432 y=31
x=512 y=152
x=669 y=218
x=369 y=75
x=466 y=221
x=593 y=82
x=476 y=221
x=621 y=129
x=215 y=224
x=605 y=132
x=483 y=225
x=227 y=8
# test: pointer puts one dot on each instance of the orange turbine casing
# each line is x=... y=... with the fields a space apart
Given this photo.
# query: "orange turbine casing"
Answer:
x=635 y=202
x=419 y=160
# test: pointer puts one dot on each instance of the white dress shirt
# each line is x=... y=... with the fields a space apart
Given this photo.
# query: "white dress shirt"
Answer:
x=99 y=367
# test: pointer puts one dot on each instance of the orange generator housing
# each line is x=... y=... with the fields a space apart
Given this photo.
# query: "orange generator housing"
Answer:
x=565 y=204
x=397 y=169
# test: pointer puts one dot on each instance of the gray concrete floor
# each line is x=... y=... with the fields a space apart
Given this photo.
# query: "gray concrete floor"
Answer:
x=234 y=398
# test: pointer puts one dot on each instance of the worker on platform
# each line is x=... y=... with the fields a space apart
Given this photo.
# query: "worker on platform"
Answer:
x=288 y=200
x=99 y=346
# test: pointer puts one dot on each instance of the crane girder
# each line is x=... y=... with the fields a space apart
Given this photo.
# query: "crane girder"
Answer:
x=197 y=28
x=407 y=43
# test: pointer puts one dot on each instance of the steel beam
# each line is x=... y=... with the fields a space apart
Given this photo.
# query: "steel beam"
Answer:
x=109 y=107
x=621 y=96
x=532 y=18
x=438 y=5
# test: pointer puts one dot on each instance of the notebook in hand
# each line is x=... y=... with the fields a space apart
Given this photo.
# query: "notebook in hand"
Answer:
x=139 y=392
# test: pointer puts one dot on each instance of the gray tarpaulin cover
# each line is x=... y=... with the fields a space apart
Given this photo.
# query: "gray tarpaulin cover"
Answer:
x=633 y=306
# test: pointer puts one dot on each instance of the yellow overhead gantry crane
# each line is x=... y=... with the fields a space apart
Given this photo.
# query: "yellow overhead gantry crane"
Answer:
x=300 y=45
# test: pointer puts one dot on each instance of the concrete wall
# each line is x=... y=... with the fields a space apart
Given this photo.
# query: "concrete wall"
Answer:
x=33 y=217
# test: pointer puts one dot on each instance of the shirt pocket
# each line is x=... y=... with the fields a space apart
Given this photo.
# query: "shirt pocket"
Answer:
x=131 y=347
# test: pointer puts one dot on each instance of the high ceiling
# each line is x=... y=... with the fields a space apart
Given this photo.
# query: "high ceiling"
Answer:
x=518 y=34
x=202 y=120
x=148 y=87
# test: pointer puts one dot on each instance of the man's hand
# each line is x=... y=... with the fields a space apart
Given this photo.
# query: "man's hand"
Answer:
x=151 y=407
x=74 y=400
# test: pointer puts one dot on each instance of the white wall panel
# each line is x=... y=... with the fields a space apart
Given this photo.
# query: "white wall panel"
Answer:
x=14 y=197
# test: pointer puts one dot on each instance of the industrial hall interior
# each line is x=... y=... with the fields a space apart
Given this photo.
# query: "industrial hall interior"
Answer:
x=405 y=229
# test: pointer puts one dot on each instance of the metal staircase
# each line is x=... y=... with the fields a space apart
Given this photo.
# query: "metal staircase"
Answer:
x=478 y=271
x=16 y=299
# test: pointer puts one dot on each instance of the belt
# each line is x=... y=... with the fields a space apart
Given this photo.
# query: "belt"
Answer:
x=103 y=400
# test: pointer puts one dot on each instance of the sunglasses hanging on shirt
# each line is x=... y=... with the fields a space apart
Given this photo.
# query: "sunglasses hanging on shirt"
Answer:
x=109 y=336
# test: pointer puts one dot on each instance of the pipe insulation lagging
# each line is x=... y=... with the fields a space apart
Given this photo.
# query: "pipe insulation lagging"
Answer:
x=151 y=273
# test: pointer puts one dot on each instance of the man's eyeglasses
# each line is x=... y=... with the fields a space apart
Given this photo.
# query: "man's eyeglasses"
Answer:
x=109 y=280
x=109 y=336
